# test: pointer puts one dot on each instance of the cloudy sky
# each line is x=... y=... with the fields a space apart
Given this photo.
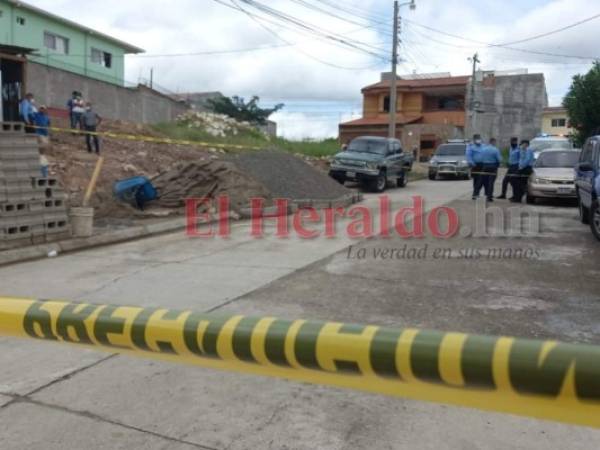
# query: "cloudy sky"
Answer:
x=319 y=78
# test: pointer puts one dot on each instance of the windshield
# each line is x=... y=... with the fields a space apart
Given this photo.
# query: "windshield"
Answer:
x=538 y=146
x=557 y=159
x=368 y=146
x=451 y=150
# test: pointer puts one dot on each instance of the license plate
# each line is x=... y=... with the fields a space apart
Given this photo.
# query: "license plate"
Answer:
x=351 y=174
x=565 y=190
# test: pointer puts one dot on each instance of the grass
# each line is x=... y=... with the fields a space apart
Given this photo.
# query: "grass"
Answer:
x=251 y=138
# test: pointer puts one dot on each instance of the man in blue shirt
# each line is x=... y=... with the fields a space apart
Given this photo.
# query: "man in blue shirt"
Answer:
x=42 y=122
x=484 y=161
x=473 y=155
x=514 y=155
x=526 y=160
x=27 y=112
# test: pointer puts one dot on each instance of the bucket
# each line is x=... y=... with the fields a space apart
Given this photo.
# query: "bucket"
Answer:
x=82 y=221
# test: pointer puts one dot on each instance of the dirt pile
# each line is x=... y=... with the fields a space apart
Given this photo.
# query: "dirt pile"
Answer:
x=287 y=176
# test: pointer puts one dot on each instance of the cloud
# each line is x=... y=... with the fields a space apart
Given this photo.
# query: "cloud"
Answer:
x=286 y=73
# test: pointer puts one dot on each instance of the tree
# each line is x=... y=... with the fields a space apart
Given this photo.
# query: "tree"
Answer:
x=583 y=104
x=241 y=110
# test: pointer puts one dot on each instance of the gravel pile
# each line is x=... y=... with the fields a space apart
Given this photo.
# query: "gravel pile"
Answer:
x=286 y=176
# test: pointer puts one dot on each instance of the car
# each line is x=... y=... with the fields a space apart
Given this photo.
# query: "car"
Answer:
x=450 y=160
x=587 y=183
x=548 y=142
x=553 y=175
x=372 y=161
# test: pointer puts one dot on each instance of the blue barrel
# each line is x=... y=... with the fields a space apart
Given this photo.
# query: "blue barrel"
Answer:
x=135 y=191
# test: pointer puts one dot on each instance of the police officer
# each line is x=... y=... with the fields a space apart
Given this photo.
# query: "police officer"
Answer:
x=474 y=159
x=526 y=160
x=490 y=161
x=494 y=145
x=514 y=156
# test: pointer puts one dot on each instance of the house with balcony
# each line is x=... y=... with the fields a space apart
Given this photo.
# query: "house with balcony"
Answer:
x=430 y=109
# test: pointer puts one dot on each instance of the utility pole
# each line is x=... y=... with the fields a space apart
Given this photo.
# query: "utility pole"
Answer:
x=393 y=83
x=394 y=80
x=152 y=78
x=472 y=103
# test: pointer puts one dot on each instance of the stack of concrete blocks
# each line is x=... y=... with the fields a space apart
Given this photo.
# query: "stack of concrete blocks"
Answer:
x=33 y=209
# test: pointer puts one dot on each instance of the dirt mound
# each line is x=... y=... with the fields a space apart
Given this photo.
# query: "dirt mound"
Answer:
x=286 y=176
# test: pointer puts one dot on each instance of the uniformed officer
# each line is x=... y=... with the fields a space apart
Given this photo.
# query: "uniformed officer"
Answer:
x=494 y=144
x=474 y=155
x=526 y=160
x=514 y=156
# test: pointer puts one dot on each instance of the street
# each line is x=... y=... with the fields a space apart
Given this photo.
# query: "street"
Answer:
x=62 y=397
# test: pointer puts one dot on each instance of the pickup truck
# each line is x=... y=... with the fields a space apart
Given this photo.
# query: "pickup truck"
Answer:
x=587 y=184
x=374 y=162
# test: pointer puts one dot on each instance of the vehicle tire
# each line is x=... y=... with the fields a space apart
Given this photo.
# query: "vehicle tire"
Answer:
x=380 y=183
x=584 y=214
x=402 y=181
x=530 y=199
x=594 y=219
x=340 y=180
x=432 y=176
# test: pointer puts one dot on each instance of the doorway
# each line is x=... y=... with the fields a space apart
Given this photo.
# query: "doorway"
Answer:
x=11 y=88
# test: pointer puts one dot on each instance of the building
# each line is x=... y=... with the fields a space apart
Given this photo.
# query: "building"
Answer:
x=63 y=44
x=52 y=56
x=430 y=110
x=433 y=108
x=556 y=121
x=507 y=103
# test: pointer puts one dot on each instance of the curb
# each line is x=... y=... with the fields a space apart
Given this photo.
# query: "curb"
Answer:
x=77 y=244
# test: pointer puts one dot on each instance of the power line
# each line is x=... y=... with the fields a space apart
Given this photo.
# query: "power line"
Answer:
x=487 y=44
x=357 y=45
x=257 y=20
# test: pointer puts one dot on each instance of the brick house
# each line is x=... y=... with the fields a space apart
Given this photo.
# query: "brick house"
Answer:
x=430 y=110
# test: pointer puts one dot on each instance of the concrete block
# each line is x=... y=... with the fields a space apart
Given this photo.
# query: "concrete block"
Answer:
x=12 y=128
x=12 y=209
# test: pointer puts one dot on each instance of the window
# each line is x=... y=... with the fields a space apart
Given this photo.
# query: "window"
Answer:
x=57 y=43
x=435 y=103
x=587 y=153
x=559 y=123
x=21 y=20
x=102 y=58
x=386 y=104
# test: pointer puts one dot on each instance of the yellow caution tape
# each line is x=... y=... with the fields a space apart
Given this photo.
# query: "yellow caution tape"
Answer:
x=547 y=380
x=140 y=138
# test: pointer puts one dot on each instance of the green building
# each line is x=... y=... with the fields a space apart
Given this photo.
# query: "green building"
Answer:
x=63 y=44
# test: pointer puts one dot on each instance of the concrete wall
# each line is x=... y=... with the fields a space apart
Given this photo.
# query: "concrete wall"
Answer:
x=53 y=87
x=509 y=105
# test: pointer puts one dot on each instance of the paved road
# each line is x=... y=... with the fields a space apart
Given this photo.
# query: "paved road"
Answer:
x=63 y=397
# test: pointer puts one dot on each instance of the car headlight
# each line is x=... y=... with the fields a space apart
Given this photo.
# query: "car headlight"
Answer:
x=433 y=161
x=541 y=181
x=463 y=163
x=372 y=165
x=336 y=162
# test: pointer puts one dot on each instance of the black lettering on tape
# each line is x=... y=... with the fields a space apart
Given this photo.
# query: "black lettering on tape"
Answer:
x=383 y=353
x=242 y=339
x=529 y=375
x=209 y=338
x=73 y=316
x=305 y=346
x=424 y=356
x=477 y=361
x=35 y=315
x=106 y=323
x=275 y=342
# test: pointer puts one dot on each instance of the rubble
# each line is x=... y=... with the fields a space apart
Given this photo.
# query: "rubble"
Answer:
x=217 y=125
